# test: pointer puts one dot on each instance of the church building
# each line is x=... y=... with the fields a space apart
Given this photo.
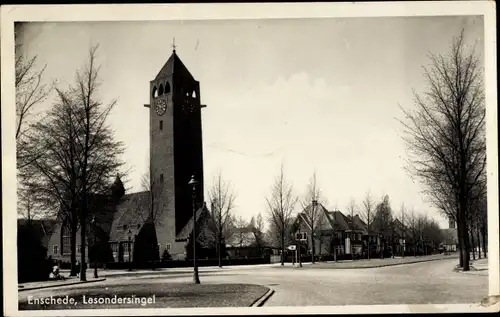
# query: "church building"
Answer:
x=142 y=226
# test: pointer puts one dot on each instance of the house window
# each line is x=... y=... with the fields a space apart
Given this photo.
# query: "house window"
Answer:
x=161 y=125
x=66 y=245
x=78 y=249
x=167 y=247
x=114 y=247
x=301 y=236
x=55 y=249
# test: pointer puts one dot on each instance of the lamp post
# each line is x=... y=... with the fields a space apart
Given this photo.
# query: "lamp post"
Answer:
x=94 y=247
x=193 y=183
x=129 y=249
x=314 y=205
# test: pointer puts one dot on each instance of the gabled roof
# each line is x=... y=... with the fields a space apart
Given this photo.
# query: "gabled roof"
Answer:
x=188 y=228
x=320 y=214
x=174 y=65
x=132 y=212
x=360 y=224
x=338 y=220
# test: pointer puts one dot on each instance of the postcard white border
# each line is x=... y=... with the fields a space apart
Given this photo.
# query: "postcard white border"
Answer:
x=136 y=12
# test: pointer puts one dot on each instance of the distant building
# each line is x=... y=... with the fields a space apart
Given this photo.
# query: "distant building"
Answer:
x=450 y=237
x=142 y=226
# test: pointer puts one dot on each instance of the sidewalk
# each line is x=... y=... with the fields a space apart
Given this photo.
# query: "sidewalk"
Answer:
x=170 y=271
x=47 y=284
x=376 y=262
x=478 y=267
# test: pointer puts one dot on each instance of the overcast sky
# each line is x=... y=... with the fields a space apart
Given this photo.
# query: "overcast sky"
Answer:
x=316 y=94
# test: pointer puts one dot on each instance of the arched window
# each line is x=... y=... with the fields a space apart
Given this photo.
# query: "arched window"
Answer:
x=194 y=94
x=155 y=92
x=167 y=88
x=160 y=90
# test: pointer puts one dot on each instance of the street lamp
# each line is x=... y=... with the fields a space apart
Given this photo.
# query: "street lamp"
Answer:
x=193 y=183
x=94 y=245
x=314 y=204
x=129 y=249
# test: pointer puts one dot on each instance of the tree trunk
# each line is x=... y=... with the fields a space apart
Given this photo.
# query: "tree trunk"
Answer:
x=478 y=239
x=74 y=268
x=282 y=248
x=219 y=248
x=471 y=233
x=83 y=242
x=368 y=245
x=312 y=247
x=460 y=243
x=464 y=236
x=485 y=242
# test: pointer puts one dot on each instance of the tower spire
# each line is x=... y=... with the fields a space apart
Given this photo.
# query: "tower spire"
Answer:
x=173 y=45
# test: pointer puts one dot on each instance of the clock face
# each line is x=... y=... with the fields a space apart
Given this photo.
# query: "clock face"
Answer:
x=161 y=106
x=188 y=108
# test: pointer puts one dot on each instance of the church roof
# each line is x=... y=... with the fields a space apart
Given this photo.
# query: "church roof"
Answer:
x=174 y=65
x=131 y=213
x=188 y=228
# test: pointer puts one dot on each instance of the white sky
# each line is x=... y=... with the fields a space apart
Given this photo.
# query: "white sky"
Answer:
x=317 y=94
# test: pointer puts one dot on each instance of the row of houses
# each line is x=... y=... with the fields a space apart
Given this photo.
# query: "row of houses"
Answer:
x=334 y=233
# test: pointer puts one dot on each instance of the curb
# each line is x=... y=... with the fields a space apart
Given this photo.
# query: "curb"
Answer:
x=58 y=285
x=380 y=265
x=262 y=300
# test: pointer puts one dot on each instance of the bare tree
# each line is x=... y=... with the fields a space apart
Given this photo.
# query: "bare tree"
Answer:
x=281 y=204
x=257 y=224
x=54 y=178
x=445 y=133
x=404 y=220
x=368 y=215
x=382 y=221
x=222 y=199
x=80 y=153
x=31 y=91
x=351 y=209
x=312 y=209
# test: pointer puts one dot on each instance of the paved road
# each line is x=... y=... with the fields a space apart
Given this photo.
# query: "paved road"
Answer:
x=420 y=283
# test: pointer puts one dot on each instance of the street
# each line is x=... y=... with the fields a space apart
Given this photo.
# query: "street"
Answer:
x=420 y=283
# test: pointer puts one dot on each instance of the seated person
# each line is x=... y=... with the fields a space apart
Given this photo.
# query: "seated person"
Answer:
x=55 y=274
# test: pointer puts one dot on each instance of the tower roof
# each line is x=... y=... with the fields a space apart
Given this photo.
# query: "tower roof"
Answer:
x=174 y=65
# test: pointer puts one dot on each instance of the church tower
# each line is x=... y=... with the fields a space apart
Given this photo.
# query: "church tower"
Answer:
x=175 y=149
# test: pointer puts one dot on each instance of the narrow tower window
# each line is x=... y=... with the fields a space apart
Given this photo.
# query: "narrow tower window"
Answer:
x=155 y=92
x=161 y=125
x=167 y=88
x=194 y=94
x=160 y=90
